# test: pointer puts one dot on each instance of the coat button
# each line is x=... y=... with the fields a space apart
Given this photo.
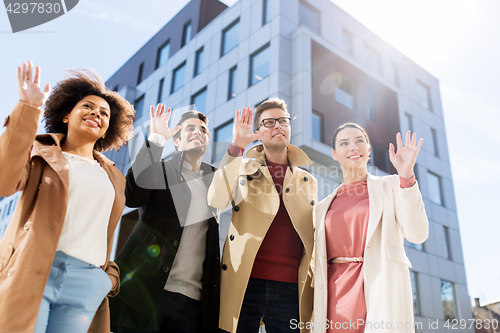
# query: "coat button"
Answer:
x=10 y=272
x=166 y=269
x=249 y=177
x=306 y=179
x=27 y=225
x=175 y=243
x=224 y=267
x=231 y=237
x=236 y=208
x=312 y=202
x=242 y=182
x=320 y=286
x=287 y=190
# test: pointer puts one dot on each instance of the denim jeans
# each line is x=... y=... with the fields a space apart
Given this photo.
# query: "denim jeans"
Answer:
x=277 y=303
x=73 y=292
x=175 y=313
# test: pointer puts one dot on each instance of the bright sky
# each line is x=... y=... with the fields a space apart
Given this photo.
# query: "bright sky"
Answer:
x=455 y=40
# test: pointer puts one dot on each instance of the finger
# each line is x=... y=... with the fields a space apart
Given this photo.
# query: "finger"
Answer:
x=399 y=142
x=244 y=116
x=37 y=76
x=29 y=73
x=157 y=111
x=408 y=139
x=47 y=88
x=413 y=140
x=19 y=75
x=237 y=116
x=419 y=145
x=261 y=133
x=175 y=129
x=152 y=112
x=250 y=117
x=168 y=114
x=23 y=72
x=391 y=151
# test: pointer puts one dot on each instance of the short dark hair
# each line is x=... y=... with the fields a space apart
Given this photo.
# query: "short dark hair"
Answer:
x=348 y=125
x=271 y=103
x=187 y=115
x=77 y=84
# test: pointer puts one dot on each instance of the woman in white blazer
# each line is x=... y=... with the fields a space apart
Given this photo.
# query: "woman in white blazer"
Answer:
x=362 y=281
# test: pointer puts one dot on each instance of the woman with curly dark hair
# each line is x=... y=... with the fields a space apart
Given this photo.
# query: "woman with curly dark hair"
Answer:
x=54 y=270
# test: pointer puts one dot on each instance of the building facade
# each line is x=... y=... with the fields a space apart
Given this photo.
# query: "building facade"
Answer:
x=330 y=69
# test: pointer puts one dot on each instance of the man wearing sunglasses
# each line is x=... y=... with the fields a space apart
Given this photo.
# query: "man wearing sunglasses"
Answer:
x=265 y=263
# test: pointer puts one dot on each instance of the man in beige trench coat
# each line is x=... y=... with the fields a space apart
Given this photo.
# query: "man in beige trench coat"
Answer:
x=266 y=258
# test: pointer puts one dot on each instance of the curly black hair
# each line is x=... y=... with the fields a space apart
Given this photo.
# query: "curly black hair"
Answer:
x=77 y=84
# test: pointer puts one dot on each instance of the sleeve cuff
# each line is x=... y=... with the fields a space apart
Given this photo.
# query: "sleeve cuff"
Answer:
x=157 y=139
x=235 y=151
x=407 y=182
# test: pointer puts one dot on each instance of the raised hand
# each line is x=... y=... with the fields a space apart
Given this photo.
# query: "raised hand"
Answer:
x=29 y=87
x=242 y=128
x=404 y=160
x=159 y=121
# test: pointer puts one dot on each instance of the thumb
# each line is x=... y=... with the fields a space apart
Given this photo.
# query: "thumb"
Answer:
x=261 y=133
x=391 y=150
x=176 y=129
x=47 y=88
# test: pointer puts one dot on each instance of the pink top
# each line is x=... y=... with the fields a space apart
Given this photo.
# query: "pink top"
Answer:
x=346 y=225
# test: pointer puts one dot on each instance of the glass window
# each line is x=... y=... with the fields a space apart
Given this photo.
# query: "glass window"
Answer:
x=434 y=183
x=139 y=74
x=178 y=77
x=395 y=73
x=186 y=33
x=414 y=288
x=230 y=37
x=408 y=122
x=380 y=157
x=160 y=91
x=344 y=93
x=200 y=100
x=317 y=126
x=308 y=17
x=231 y=91
x=423 y=96
x=446 y=242
x=223 y=138
x=448 y=299
x=266 y=11
x=139 y=106
x=435 y=142
x=259 y=65
x=198 y=64
x=347 y=41
x=372 y=58
x=419 y=247
x=370 y=106
x=163 y=54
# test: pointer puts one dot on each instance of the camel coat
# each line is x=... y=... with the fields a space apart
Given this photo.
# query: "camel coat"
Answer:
x=248 y=185
x=36 y=166
x=395 y=213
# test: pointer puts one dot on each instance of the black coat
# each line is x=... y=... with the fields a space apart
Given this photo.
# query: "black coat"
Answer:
x=163 y=197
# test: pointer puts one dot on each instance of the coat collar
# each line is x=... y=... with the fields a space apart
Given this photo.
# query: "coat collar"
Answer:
x=177 y=160
x=295 y=155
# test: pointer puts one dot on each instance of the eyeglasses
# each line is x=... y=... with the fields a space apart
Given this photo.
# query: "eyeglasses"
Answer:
x=271 y=122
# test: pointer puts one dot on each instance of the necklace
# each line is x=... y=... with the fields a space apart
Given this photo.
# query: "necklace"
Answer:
x=80 y=158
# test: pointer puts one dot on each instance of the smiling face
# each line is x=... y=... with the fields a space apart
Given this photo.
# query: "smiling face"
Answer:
x=89 y=118
x=278 y=137
x=194 y=136
x=351 y=148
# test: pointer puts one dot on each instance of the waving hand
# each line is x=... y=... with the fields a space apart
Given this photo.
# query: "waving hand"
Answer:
x=159 y=121
x=242 y=128
x=29 y=87
x=406 y=156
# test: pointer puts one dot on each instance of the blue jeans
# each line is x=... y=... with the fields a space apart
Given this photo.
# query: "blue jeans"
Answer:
x=175 y=313
x=277 y=303
x=73 y=292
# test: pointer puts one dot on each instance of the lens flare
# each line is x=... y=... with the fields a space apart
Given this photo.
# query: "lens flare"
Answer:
x=154 y=250
x=329 y=84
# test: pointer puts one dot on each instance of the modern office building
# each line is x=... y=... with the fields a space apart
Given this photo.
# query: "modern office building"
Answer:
x=330 y=69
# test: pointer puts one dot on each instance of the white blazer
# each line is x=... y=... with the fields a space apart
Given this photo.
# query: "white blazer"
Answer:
x=394 y=213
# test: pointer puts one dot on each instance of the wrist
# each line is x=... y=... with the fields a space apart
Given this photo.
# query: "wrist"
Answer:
x=406 y=173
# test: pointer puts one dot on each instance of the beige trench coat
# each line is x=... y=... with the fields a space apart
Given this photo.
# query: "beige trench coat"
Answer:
x=256 y=202
x=37 y=167
x=394 y=214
